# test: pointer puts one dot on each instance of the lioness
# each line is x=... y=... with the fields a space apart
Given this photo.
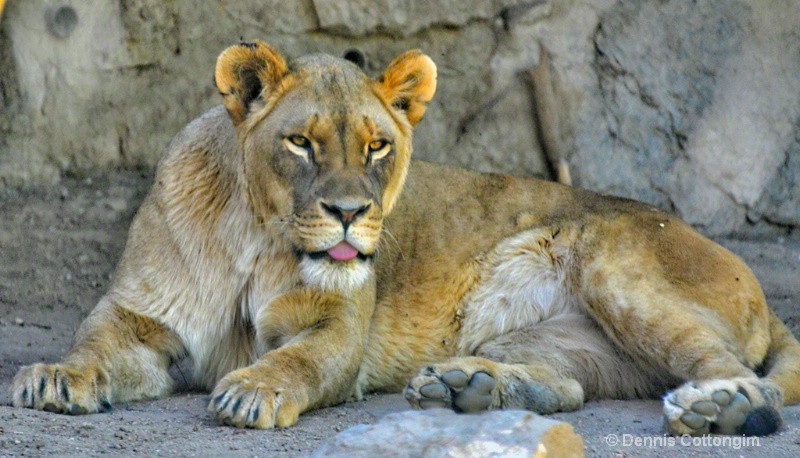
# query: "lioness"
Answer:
x=277 y=251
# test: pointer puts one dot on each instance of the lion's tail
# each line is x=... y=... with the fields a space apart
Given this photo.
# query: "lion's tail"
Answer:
x=782 y=364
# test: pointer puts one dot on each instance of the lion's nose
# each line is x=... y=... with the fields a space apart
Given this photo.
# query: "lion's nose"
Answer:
x=346 y=211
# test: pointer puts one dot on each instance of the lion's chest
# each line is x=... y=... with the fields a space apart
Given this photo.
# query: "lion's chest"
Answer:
x=220 y=329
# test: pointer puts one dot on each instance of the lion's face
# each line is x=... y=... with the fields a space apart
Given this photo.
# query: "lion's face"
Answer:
x=326 y=150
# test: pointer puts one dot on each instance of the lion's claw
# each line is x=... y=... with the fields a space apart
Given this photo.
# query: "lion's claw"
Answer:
x=242 y=402
x=61 y=389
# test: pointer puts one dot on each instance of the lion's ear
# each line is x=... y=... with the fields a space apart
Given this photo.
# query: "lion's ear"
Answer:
x=246 y=73
x=409 y=84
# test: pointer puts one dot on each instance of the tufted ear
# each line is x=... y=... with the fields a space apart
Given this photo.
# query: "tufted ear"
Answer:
x=248 y=73
x=409 y=84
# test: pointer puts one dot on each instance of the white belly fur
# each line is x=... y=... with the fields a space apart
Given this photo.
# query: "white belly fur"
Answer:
x=523 y=283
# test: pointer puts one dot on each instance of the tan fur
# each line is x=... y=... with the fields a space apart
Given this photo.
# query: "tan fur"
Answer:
x=547 y=295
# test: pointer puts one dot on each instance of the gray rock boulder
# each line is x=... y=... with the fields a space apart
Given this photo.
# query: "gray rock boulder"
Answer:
x=443 y=433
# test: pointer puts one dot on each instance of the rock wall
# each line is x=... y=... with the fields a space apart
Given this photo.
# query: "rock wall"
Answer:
x=692 y=106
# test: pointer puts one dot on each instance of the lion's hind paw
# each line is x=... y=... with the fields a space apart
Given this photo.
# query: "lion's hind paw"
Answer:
x=717 y=407
x=453 y=390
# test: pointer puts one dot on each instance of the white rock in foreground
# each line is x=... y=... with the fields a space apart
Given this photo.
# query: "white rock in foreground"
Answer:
x=444 y=433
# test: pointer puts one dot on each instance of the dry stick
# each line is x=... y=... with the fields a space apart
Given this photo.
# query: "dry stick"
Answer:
x=549 y=123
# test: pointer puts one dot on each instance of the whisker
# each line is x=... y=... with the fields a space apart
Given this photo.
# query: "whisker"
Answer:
x=394 y=239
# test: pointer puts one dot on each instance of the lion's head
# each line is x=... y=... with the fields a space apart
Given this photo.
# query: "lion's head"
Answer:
x=326 y=149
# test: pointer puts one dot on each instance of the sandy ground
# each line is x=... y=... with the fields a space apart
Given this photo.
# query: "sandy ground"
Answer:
x=58 y=247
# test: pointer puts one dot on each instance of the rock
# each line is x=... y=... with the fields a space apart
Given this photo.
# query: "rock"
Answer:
x=693 y=107
x=443 y=433
x=97 y=100
x=780 y=201
x=403 y=17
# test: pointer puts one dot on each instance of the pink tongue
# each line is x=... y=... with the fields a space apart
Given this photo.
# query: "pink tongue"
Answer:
x=343 y=251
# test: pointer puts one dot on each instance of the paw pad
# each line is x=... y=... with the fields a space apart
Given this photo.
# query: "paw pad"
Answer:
x=453 y=389
x=725 y=413
x=709 y=407
x=733 y=415
x=477 y=396
x=434 y=391
x=721 y=398
x=455 y=379
x=693 y=420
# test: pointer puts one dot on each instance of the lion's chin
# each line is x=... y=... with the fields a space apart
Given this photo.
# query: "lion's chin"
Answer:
x=329 y=275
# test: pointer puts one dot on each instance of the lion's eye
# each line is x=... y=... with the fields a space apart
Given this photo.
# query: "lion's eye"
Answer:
x=378 y=149
x=299 y=145
x=376 y=145
x=299 y=140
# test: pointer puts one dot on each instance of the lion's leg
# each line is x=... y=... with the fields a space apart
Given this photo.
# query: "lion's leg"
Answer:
x=118 y=356
x=547 y=367
x=312 y=344
x=720 y=393
x=724 y=397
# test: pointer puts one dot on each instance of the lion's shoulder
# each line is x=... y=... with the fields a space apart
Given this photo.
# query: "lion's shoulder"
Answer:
x=209 y=134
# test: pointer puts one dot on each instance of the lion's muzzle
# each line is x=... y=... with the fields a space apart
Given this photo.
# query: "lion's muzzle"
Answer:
x=346 y=211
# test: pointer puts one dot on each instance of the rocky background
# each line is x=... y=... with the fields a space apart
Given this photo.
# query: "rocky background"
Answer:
x=690 y=105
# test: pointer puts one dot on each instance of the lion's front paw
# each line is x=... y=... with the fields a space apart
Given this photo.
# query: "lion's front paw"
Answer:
x=246 y=400
x=62 y=389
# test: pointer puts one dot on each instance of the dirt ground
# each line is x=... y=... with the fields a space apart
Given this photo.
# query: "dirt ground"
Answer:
x=58 y=247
